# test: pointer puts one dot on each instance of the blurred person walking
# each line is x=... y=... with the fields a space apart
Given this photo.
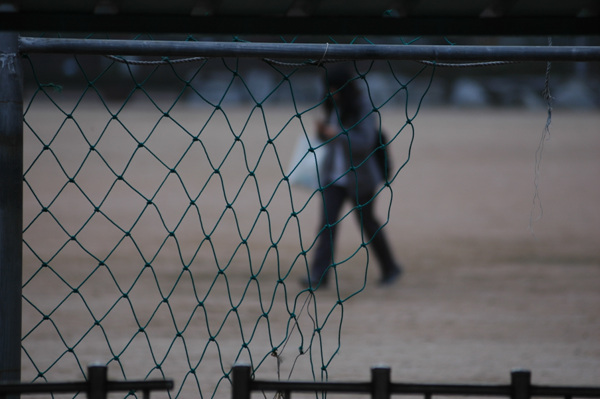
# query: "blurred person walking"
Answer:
x=351 y=172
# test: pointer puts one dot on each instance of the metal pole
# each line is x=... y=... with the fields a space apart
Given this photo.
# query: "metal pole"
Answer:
x=316 y=52
x=242 y=376
x=11 y=206
x=520 y=384
x=380 y=377
x=97 y=380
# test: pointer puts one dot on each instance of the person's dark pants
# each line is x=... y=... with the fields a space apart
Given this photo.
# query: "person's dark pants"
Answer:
x=333 y=199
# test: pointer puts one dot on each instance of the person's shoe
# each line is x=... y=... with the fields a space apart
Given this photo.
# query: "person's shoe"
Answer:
x=391 y=277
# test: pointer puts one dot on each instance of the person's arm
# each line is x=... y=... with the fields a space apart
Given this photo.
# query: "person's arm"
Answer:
x=360 y=136
x=327 y=131
x=363 y=134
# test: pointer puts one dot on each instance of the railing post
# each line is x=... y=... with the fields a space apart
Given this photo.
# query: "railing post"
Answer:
x=520 y=383
x=11 y=207
x=241 y=378
x=97 y=381
x=380 y=378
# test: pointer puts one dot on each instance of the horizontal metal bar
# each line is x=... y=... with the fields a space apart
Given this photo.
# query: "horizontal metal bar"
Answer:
x=72 y=387
x=450 y=389
x=574 y=392
x=348 y=387
x=316 y=52
x=424 y=389
x=149 y=385
x=243 y=385
x=54 y=387
x=395 y=388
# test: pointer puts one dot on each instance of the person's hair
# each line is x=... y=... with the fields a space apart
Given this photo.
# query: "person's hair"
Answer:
x=341 y=79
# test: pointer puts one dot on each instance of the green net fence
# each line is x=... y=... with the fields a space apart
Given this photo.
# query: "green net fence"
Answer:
x=163 y=235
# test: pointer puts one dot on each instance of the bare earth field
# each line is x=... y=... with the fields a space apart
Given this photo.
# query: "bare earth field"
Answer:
x=484 y=289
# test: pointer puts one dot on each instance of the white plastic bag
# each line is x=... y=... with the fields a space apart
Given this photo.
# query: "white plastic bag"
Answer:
x=303 y=164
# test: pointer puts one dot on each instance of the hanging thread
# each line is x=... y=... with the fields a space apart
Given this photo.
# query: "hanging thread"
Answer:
x=536 y=208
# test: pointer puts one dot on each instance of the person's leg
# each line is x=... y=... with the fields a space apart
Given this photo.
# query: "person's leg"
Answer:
x=333 y=198
x=373 y=233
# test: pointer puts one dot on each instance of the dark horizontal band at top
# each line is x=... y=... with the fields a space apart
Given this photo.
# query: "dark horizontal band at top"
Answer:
x=314 y=25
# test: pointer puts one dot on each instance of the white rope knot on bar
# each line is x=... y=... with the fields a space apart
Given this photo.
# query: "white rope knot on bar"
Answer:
x=324 y=54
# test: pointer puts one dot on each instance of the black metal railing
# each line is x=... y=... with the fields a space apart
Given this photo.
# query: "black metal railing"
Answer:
x=97 y=386
x=381 y=387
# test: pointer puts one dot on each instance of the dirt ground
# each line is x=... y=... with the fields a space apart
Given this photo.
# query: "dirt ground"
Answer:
x=485 y=289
